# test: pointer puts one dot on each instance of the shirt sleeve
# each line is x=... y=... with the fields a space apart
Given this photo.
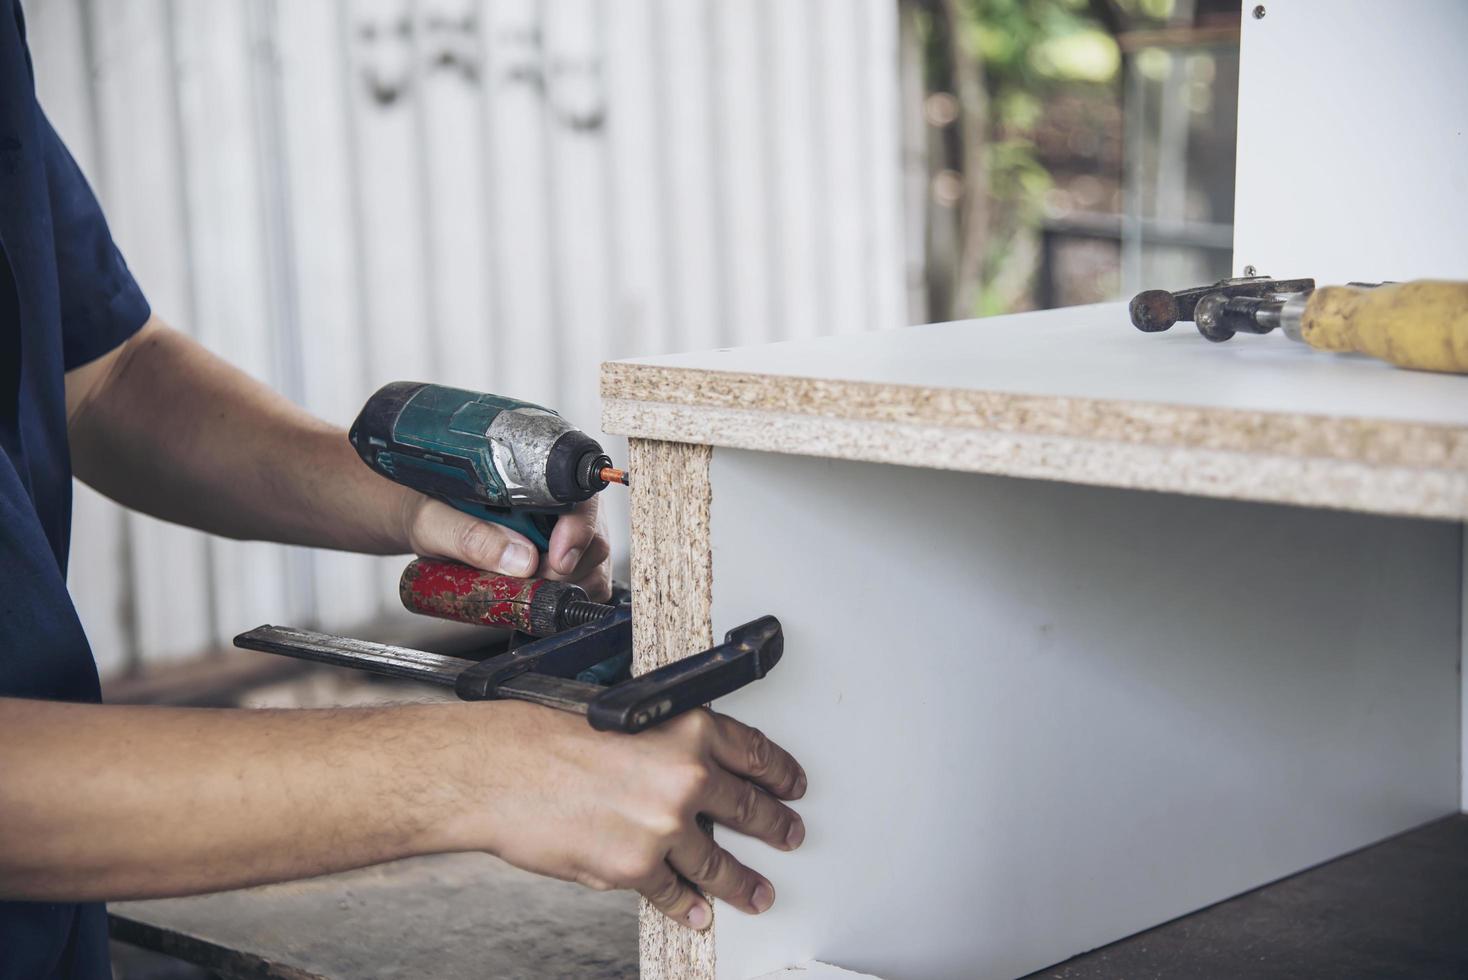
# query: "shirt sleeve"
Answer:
x=101 y=304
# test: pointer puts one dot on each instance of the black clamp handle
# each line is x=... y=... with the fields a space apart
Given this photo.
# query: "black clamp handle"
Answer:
x=544 y=671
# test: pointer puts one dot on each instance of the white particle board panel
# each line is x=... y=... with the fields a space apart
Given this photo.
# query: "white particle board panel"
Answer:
x=1039 y=717
x=1094 y=353
x=1353 y=141
x=1077 y=395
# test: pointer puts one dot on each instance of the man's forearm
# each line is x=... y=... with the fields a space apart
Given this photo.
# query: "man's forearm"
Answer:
x=178 y=433
x=108 y=802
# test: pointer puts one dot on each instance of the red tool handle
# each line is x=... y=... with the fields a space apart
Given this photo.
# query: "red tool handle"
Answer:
x=450 y=590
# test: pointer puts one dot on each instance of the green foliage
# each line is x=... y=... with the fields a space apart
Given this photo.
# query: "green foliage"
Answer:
x=1029 y=50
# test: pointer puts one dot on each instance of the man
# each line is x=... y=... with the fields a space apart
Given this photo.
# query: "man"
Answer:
x=108 y=802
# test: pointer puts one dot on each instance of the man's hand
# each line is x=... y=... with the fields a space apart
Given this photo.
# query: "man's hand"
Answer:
x=620 y=811
x=579 y=552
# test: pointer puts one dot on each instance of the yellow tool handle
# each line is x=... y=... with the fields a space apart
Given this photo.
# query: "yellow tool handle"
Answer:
x=1422 y=324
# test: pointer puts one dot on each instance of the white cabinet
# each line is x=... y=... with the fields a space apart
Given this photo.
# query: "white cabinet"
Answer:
x=1085 y=628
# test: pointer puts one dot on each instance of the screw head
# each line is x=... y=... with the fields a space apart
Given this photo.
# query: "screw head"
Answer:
x=1259 y=12
x=1249 y=270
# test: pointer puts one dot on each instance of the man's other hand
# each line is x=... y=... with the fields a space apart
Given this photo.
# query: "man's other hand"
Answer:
x=620 y=811
x=579 y=552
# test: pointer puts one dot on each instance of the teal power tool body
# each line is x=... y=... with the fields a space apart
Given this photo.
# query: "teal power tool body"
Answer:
x=502 y=460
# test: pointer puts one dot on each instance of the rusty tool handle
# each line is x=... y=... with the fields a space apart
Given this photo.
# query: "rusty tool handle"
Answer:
x=449 y=590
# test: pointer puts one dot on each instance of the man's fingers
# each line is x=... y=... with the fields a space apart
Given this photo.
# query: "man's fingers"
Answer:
x=574 y=535
x=671 y=896
x=741 y=805
x=706 y=864
x=747 y=752
x=443 y=532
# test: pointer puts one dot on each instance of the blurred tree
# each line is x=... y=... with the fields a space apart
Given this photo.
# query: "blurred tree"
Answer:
x=990 y=68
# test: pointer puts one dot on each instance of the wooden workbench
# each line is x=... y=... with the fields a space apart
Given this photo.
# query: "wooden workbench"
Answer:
x=1086 y=629
x=450 y=917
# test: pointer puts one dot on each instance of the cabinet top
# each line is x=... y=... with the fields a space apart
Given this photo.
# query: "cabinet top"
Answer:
x=1076 y=395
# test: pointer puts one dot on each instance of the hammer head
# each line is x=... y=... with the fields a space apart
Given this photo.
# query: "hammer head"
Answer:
x=1155 y=310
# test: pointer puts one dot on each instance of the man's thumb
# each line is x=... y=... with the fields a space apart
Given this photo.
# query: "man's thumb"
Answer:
x=451 y=534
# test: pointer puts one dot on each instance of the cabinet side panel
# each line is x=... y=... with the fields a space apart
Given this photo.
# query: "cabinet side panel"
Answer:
x=1040 y=717
x=1315 y=195
x=671 y=592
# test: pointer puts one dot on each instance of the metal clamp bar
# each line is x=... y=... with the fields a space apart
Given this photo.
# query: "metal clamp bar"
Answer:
x=345 y=651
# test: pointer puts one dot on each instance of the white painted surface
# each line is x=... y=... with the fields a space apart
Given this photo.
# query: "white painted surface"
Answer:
x=472 y=228
x=1094 y=352
x=1353 y=141
x=816 y=971
x=1038 y=717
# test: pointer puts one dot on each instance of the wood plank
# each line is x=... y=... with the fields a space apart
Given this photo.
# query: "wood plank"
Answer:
x=450 y=917
x=1077 y=395
x=671 y=596
x=1391 y=912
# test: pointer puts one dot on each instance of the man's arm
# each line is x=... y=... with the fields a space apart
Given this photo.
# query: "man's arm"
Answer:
x=111 y=802
x=163 y=426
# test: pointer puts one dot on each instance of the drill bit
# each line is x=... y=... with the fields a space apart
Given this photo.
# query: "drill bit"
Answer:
x=610 y=474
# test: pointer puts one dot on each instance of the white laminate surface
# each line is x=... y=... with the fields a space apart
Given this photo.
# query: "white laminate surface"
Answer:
x=1038 y=717
x=1094 y=353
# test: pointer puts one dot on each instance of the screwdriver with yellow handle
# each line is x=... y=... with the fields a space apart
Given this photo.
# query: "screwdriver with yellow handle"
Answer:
x=1421 y=325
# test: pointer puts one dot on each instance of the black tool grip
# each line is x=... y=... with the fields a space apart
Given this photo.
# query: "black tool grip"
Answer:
x=747 y=654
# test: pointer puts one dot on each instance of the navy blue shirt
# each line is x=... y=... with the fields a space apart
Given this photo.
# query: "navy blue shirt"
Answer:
x=66 y=298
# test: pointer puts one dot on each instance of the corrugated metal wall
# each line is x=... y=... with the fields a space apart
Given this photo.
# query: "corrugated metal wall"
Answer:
x=495 y=194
